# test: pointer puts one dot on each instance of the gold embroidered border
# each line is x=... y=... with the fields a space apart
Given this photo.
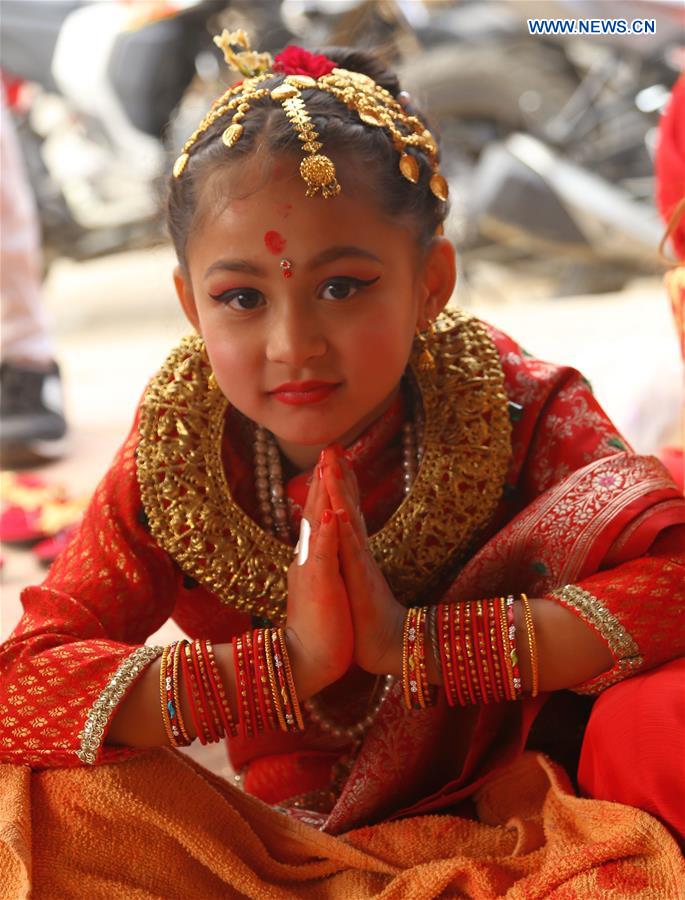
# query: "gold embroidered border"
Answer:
x=467 y=446
x=101 y=711
x=623 y=648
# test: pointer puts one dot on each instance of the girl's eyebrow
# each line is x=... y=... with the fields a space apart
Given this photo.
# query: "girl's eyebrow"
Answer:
x=333 y=253
x=234 y=265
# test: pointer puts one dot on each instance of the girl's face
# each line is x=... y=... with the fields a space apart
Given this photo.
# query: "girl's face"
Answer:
x=308 y=307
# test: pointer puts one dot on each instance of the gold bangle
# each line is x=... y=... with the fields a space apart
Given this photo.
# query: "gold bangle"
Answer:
x=163 y=694
x=273 y=681
x=294 y=701
x=506 y=657
x=432 y=627
x=532 y=644
x=405 y=661
x=178 y=649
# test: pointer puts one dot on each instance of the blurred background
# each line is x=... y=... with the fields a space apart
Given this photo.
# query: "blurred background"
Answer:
x=548 y=145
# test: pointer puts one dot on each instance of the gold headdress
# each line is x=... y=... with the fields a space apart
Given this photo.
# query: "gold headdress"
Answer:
x=374 y=105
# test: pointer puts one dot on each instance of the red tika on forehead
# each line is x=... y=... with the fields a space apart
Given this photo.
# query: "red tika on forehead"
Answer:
x=275 y=243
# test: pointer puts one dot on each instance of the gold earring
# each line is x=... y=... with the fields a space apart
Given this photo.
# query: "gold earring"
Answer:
x=426 y=359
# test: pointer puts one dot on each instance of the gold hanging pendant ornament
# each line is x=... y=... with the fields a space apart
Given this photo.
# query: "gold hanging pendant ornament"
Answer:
x=426 y=361
x=375 y=106
x=409 y=167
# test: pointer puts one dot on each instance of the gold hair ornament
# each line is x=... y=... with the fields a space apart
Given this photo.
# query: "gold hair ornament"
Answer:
x=374 y=105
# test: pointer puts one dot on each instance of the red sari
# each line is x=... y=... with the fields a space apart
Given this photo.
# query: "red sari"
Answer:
x=525 y=485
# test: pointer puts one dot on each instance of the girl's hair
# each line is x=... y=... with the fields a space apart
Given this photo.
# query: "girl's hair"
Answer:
x=267 y=131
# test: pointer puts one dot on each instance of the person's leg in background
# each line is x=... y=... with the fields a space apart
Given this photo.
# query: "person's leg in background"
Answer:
x=32 y=423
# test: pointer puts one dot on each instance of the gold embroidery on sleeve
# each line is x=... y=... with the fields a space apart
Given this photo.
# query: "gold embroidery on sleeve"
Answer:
x=623 y=648
x=103 y=708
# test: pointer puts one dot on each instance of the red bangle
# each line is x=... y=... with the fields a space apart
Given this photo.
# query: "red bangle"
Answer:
x=474 y=609
x=489 y=636
x=218 y=727
x=205 y=699
x=463 y=609
x=193 y=698
x=244 y=718
x=218 y=685
x=445 y=654
x=259 y=679
x=265 y=681
x=457 y=663
x=213 y=688
x=253 y=692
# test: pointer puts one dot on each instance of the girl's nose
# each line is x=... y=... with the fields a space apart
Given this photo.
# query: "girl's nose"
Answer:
x=294 y=337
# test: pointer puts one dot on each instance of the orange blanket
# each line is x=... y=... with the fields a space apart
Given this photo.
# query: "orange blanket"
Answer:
x=161 y=826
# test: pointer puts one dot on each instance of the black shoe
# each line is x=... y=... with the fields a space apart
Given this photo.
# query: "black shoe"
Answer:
x=32 y=424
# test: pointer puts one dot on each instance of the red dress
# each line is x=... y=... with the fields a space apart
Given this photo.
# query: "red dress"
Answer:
x=524 y=485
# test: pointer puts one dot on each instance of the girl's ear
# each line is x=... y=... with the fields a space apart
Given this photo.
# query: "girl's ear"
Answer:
x=438 y=281
x=186 y=297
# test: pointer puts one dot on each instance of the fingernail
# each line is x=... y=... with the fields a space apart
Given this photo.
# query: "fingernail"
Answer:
x=342 y=515
x=319 y=472
x=303 y=543
x=322 y=457
x=326 y=516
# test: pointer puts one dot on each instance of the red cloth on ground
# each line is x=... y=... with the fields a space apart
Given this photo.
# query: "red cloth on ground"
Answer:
x=623 y=756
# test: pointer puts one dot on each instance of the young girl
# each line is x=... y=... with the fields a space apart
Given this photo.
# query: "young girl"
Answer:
x=390 y=665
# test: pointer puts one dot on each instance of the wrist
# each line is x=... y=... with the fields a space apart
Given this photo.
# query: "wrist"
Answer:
x=309 y=679
x=390 y=663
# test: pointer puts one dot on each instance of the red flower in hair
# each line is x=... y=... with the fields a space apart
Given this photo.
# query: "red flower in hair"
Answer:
x=298 y=61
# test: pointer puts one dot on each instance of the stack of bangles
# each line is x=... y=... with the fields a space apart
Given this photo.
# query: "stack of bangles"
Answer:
x=264 y=682
x=473 y=646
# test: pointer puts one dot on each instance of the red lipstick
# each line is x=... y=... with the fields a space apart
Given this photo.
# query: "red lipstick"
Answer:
x=296 y=393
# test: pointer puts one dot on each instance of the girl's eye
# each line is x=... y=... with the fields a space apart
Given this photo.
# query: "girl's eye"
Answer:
x=241 y=299
x=344 y=288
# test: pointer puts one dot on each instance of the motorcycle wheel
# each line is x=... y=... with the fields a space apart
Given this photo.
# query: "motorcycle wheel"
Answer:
x=475 y=95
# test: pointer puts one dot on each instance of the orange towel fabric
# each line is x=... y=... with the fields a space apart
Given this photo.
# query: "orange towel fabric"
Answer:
x=161 y=826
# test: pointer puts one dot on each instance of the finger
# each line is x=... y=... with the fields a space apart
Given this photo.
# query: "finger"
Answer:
x=341 y=499
x=324 y=545
x=317 y=498
x=355 y=561
x=344 y=492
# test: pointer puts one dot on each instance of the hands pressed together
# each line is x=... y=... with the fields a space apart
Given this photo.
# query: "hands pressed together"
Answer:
x=340 y=607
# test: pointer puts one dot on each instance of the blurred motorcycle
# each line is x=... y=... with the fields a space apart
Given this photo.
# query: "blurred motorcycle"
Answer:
x=93 y=88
